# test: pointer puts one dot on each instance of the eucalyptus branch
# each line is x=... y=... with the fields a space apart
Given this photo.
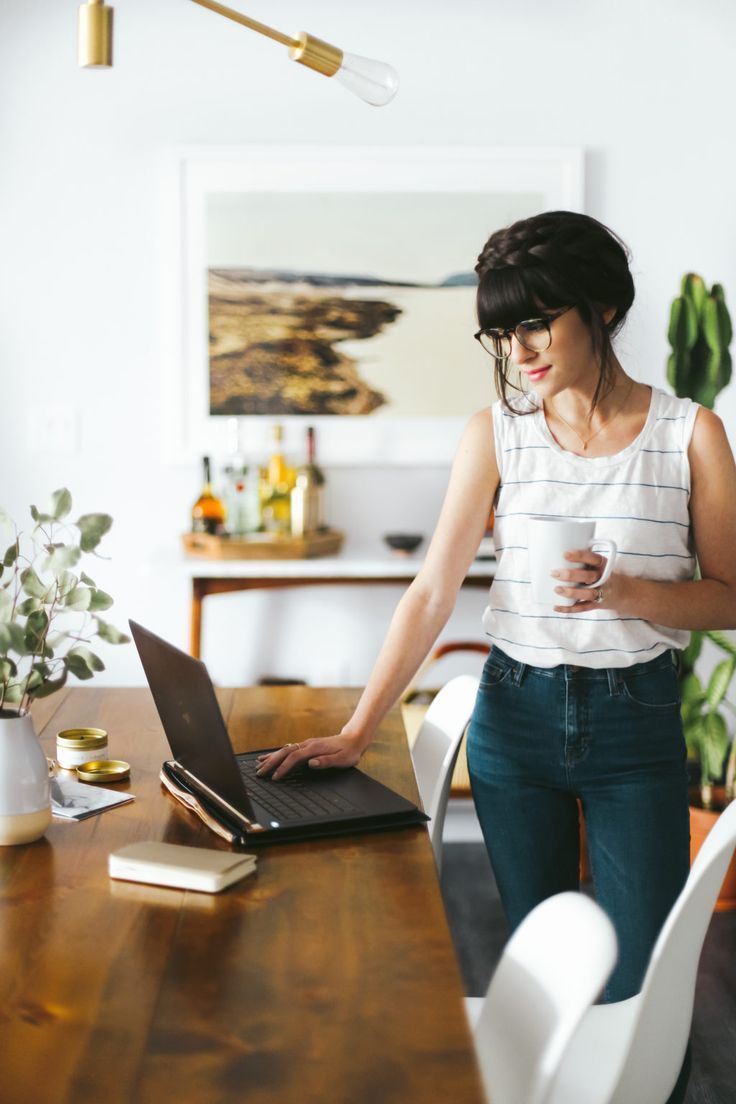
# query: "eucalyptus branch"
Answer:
x=42 y=589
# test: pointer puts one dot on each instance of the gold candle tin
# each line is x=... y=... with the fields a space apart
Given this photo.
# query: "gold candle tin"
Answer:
x=79 y=745
x=104 y=770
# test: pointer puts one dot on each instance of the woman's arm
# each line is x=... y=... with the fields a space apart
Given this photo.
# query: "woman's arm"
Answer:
x=424 y=608
x=705 y=603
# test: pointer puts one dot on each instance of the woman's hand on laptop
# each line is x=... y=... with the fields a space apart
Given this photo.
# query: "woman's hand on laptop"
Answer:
x=318 y=753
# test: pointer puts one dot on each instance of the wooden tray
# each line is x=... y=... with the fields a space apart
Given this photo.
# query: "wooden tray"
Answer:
x=263 y=546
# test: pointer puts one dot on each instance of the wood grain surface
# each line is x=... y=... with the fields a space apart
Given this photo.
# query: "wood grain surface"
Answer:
x=328 y=976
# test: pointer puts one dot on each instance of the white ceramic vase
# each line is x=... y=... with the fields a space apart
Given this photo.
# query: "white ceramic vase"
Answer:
x=25 y=802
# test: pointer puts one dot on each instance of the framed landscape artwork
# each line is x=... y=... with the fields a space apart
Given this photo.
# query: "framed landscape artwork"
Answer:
x=334 y=286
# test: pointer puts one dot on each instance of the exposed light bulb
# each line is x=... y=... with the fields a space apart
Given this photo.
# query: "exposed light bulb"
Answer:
x=373 y=81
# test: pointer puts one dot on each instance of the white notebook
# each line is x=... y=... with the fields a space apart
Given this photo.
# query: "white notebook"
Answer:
x=170 y=864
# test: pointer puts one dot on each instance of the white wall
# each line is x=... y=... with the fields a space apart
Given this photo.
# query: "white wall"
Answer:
x=647 y=90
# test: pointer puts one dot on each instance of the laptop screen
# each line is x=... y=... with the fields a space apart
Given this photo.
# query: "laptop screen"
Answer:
x=190 y=713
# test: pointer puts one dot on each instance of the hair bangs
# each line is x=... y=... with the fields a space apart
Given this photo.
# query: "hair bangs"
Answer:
x=507 y=296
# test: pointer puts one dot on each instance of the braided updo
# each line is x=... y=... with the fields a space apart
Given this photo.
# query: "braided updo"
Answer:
x=556 y=259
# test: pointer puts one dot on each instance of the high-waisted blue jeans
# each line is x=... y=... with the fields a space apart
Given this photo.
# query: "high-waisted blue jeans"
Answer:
x=540 y=738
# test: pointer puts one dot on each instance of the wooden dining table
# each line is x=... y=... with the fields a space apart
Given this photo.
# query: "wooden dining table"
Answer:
x=327 y=977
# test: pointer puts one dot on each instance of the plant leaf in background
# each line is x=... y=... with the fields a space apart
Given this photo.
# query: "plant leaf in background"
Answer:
x=93 y=528
x=37 y=587
x=109 y=633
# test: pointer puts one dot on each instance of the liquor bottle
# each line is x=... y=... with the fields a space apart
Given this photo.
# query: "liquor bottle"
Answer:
x=208 y=512
x=276 y=488
x=242 y=492
x=307 y=497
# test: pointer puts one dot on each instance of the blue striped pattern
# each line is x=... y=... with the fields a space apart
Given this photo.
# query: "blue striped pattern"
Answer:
x=639 y=498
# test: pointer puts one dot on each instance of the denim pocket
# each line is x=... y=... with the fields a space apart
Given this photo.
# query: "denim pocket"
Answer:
x=654 y=690
x=493 y=673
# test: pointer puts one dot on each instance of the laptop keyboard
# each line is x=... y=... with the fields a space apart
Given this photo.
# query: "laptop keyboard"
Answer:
x=293 y=798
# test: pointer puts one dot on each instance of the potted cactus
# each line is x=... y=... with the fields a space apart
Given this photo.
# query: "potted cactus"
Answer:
x=699 y=367
x=700 y=332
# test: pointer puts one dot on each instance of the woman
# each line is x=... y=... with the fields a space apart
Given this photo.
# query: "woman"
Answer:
x=578 y=701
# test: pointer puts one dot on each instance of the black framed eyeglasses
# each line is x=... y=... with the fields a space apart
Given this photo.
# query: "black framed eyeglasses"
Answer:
x=534 y=334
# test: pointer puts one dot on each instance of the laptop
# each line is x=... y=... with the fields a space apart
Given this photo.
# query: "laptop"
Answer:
x=303 y=805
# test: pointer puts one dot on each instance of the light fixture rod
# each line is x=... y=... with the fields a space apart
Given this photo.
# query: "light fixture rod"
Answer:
x=261 y=28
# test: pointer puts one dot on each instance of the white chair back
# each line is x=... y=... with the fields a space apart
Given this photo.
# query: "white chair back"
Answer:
x=552 y=969
x=661 y=1028
x=436 y=747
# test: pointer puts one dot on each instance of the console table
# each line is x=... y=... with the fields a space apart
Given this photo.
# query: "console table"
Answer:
x=224 y=576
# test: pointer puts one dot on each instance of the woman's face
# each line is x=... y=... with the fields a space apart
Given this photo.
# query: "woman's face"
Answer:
x=569 y=362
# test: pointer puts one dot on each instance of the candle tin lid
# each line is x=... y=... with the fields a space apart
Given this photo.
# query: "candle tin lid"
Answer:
x=104 y=770
x=77 y=738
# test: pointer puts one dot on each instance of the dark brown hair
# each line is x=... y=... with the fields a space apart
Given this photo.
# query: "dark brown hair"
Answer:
x=556 y=259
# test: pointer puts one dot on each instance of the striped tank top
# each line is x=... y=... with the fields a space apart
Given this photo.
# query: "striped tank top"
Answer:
x=638 y=497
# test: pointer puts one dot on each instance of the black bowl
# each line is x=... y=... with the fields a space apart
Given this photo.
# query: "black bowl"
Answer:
x=403 y=542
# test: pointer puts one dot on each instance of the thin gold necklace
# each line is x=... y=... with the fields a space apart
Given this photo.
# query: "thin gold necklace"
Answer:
x=586 y=441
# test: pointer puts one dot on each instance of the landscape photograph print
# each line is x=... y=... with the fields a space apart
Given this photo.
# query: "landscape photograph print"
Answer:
x=346 y=303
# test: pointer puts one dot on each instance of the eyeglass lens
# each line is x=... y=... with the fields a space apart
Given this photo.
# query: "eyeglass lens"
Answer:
x=534 y=335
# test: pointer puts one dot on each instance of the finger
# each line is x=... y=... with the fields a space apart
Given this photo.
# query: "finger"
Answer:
x=593 y=561
x=297 y=755
x=269 y=762
x=340 y=757
x=584 y=576
x=582 y=600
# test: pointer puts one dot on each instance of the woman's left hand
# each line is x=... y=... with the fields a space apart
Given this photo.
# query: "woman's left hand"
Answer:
x=571 y=579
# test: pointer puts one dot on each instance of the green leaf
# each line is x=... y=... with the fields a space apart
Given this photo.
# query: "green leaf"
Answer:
x=715 y=745
x=12 y=638
x=691 y=688
x=79 y=668
x=109 y=633
x=8 y=669
x=93 y=528
x=92 y=661
x=100 y=600
x=11 y=555
x=34 y=680
x=40 y=518
x=720 y=681
x=722 y=640
x=86 y=579
x=36 y=625
x=29 y=606
x=50 y=686
x=61 y=558
x=13 y=692
x=61 y=503
x=78 y=599
x=32 y=585
x=6 y=605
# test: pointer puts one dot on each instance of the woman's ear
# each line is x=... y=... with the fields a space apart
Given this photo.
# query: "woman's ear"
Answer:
x=607 y=313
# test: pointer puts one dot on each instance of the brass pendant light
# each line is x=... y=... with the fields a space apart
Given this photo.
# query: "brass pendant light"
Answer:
x=373 y=81
x=95 y=35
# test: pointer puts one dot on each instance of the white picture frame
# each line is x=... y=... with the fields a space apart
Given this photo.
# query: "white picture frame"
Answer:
x=504 y=182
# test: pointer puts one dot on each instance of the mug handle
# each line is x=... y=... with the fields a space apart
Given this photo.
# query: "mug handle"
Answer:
x=610 y=549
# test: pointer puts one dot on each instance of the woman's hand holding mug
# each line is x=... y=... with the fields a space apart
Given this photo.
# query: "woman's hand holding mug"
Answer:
x=551 y=542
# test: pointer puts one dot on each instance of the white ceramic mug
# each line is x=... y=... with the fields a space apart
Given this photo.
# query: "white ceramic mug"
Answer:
x=548 y=539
